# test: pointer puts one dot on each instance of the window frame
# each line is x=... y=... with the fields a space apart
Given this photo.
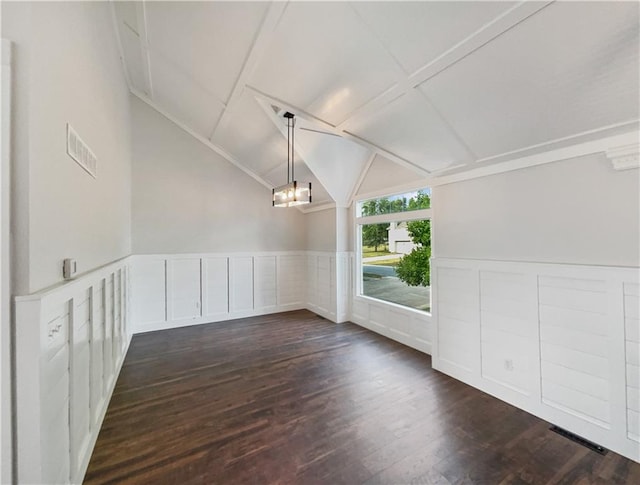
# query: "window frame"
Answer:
x=359 y=221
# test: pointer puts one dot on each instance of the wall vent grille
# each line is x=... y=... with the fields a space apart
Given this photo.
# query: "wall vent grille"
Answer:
x=579 y=439
x=81 y=153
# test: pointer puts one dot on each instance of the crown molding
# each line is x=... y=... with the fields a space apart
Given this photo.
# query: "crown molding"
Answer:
x=602 y=145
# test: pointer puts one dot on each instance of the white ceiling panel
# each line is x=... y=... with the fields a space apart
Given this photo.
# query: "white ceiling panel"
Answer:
x=248 y=134
x=411 y=129
x=126 y=12
x=418 y=32
x=323 y=59
x=335 y=161
x=570 y=68
x=183 y=97
x=207 y=40
x=384 y=173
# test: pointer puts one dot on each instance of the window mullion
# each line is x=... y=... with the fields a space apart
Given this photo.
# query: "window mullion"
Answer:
x=395 y=217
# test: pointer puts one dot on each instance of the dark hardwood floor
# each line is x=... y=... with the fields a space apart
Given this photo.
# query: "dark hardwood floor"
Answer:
x=293 y=398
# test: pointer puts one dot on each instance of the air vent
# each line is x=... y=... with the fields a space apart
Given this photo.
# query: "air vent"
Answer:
x=80 y=152
x=580 y=440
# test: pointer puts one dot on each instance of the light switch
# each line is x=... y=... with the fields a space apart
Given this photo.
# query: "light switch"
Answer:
x=69 y=268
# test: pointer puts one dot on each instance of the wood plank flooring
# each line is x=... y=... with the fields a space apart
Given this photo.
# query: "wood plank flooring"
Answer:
x=293 y=398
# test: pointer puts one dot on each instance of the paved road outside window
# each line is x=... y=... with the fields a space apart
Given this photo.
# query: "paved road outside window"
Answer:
x=380 y=282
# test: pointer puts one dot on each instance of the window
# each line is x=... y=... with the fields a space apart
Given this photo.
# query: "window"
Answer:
x=395 y=247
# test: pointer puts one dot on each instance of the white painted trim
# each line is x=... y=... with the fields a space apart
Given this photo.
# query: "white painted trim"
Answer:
x=261 y=41
x=141 y=14
x=226 y=254
x=479 y=38
x=363 y=175
x=395 y=217
x=394 y=190
x=6 y=391
x=576 y=139
x=326 y=126
x=581 y=149
x=169 y=324
x=116 y=33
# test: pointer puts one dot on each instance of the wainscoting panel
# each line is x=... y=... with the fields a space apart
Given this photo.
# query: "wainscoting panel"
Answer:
x=183 y=278
x=405 y=325
x=215 y=289
x=149 y=291
x=508 y=326
x=291 y=274
x=456 y=300
x=206 y=288
x=329 y=284
x=560 y=341
x=70 y=343
x=632 y=355
x=265 y=290
x=241 y=284
x=321 y=284
x=580 y=386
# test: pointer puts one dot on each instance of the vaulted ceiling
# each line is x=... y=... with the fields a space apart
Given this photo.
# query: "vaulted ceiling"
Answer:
x=413 y=88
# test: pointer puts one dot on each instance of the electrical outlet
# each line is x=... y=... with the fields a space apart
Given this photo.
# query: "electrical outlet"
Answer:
x=508 y=365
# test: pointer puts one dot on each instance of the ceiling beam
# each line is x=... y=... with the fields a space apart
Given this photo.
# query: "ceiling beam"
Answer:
x=448 y=126
x=116 y=27
x=462 y=49
x=220 y=151
x=141 y=14
x=261 y=41
x=326 y=126
x=363 y=175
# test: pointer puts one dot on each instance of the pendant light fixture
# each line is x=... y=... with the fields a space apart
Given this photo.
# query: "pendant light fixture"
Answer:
x=293 y=192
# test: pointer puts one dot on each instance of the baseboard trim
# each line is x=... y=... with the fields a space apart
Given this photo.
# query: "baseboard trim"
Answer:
x=167 y=325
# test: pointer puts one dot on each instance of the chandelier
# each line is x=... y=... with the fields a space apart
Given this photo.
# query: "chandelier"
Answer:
x=293 y=192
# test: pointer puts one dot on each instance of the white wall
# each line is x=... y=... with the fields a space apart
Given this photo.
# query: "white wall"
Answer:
x=186 y=198
x=6 y=380
x=576 y=211
x=67 y=70
x=321 y=230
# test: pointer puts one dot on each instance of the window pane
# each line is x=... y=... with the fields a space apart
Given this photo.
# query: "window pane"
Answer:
x=395 y=262
x=420 y=199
